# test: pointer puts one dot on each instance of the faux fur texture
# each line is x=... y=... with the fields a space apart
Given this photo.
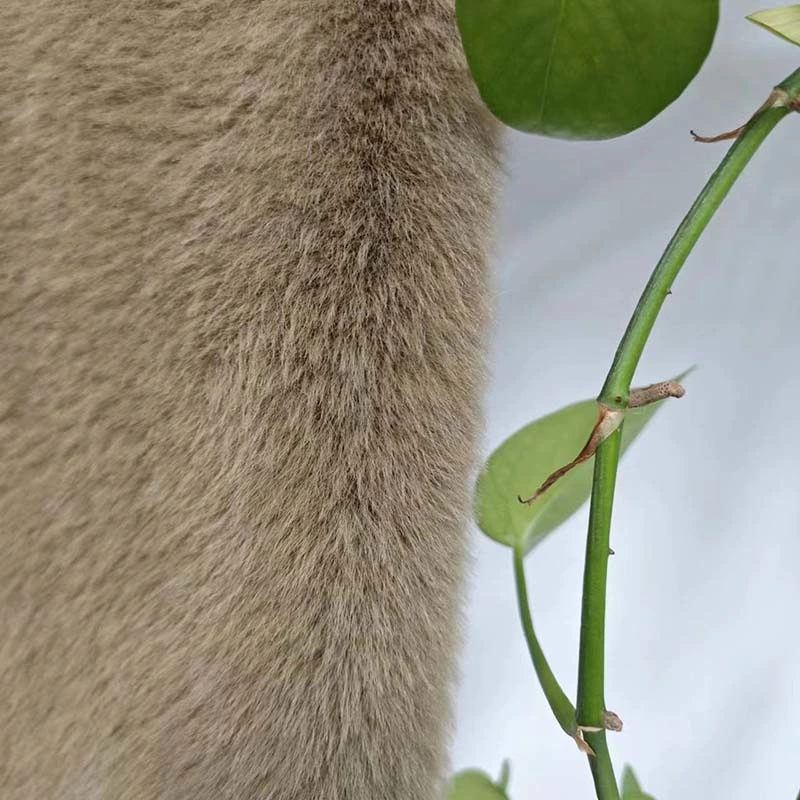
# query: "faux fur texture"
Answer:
x=244 y=299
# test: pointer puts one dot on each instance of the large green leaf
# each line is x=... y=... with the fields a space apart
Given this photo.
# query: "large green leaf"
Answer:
x=784 y=22
x=472 y=784
x=523 y=461
x=630 y=787
x=584 y=69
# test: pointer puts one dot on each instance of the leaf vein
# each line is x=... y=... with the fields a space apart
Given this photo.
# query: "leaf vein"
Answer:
x=550 y=59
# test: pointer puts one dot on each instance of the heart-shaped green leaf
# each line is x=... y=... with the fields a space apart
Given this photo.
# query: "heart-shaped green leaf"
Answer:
x=472 y=784
x=783 y=21
x=592 y=69
x=523 y=461
x=630 y=787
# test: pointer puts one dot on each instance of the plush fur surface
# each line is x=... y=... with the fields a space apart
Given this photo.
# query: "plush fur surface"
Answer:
x=242 y=316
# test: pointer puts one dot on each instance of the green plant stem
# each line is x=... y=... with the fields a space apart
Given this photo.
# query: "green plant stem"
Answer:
x=559 y=703
x=605 y=782
x=617 y=385
x=615 y=391
x=591 y=659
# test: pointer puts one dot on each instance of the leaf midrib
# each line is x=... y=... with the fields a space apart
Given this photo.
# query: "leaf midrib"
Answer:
x=550 y=59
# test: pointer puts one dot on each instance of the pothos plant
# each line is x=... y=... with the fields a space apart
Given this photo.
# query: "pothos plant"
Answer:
x=594 y=70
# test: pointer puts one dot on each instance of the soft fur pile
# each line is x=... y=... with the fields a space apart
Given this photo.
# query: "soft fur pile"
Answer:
x=243 y=299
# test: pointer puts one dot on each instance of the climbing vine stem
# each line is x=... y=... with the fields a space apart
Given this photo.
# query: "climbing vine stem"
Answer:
x=590 y=707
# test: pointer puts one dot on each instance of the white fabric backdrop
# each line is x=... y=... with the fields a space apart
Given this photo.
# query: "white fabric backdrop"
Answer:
x=703 y=656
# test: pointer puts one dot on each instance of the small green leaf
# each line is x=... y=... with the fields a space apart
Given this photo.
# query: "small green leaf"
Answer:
x=630 y=787
x=523 y=461
x=592 y=69
x=505 y=775
x=783 y=22
x=472 y=784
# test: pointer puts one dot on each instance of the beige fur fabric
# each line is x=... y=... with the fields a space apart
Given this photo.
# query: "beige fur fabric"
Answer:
x=243 y=302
